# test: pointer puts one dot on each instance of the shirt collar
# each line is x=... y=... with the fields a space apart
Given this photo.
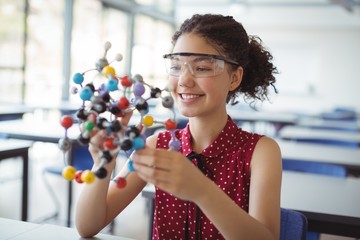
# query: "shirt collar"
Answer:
x=220 y=144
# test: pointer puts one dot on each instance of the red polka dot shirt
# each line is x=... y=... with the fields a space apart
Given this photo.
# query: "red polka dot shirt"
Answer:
x=226 y=162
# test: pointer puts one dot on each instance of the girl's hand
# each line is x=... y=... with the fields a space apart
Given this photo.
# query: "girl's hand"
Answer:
x=170 y=171
x=98 y=137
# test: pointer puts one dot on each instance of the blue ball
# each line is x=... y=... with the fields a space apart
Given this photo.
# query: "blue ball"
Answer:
x=86 y=94
x=130 y=166
x=78 y=78
x=138 y=143
x=112 y=85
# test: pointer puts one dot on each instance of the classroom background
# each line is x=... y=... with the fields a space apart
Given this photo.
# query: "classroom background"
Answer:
x=315 y=45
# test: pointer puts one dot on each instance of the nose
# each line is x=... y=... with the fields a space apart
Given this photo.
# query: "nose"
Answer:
x=186 y=77
x=188 y=68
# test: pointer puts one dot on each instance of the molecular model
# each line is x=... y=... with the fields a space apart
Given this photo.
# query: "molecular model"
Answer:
x=102 y=108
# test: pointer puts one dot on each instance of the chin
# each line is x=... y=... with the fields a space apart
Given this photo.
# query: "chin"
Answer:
x=187 y=112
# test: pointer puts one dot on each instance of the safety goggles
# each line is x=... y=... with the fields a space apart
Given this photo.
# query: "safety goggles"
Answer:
x=198 y=64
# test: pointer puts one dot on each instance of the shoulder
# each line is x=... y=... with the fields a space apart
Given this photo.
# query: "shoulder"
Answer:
x=267 y=143
x=266 y=153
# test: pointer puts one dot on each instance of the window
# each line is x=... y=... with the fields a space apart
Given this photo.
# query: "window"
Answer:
x=44 y=52
x=38 y=59
x=152 y=41
x=12 y=50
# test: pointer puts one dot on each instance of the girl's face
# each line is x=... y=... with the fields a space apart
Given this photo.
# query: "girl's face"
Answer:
x=200 y=96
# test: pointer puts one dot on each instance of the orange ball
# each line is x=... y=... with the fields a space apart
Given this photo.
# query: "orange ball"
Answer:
x=108 y=70
x=88 y=177
x=148 y=120
x=69 y=172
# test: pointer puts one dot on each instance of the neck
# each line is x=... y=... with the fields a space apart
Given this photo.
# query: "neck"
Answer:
x=204 y=130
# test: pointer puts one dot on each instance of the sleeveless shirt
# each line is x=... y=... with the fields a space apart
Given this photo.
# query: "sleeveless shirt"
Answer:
x=226 y=162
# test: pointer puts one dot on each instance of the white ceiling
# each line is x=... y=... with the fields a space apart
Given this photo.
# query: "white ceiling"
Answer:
x=315 y=13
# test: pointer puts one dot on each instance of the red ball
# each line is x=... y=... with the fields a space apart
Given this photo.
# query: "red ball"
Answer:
x=109 y=144
x=170 y=124
x=66 y=121
x=78 y=176
x=126 y=82
x=121 y=183
x=123 y=103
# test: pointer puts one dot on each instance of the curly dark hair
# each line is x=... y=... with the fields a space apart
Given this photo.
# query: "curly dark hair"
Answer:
x=229 y=37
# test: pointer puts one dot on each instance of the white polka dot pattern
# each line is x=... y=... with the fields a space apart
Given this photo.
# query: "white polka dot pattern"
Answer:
x=227 y=162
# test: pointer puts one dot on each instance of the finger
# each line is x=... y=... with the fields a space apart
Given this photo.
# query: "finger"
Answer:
x=98 y=139
x=126 y=118
x=152 y=158
x=152 y=174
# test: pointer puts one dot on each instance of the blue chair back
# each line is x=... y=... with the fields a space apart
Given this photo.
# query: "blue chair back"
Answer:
x=293 y=225
x=334 y=142
x=315 y=167
x=82 y=159
x=340 y=113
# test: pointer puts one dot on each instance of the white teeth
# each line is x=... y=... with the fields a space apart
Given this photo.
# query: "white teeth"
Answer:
x=189 y=96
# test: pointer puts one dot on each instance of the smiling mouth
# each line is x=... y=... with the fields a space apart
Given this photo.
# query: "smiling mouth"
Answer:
x=189 y=96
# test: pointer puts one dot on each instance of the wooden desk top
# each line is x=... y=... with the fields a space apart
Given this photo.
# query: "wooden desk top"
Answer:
x=329 y=124
x=13 y=144
x=18 y=230
x=296 y=132
x=36 y=131
x=321 y=194
x=275 y=117
x=320 y=153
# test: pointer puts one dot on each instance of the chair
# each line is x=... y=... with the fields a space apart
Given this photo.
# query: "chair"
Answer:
x=293 y=225
x=315 y=167
x=334 y=142
x=82 y=160
x=340 y=113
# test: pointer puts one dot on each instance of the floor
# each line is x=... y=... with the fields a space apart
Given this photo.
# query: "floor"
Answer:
x=132 y=223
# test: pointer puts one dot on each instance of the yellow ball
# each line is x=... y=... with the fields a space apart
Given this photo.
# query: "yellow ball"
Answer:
x=108 y=70
x=148 y=120
x=69 y=172
x=87 y=176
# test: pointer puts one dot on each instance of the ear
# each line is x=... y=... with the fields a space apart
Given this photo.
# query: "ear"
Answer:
x=236 y=78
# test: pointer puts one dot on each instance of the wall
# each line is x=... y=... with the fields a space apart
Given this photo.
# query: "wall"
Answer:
x=322 y=64
x=316 y=49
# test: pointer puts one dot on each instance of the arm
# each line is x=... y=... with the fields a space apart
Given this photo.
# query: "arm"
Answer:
x=100 y=202
x=182 y=179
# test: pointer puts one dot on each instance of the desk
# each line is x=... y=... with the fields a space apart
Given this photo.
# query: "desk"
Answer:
x=10 y=148
x=17 y=230
x=11 y=112
x=318 y=123
x=347 y=157
x=330 y=204
x=64 y=107
x=278 y=119
x=303 y=133
x=36 y=131
x=42 y=132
